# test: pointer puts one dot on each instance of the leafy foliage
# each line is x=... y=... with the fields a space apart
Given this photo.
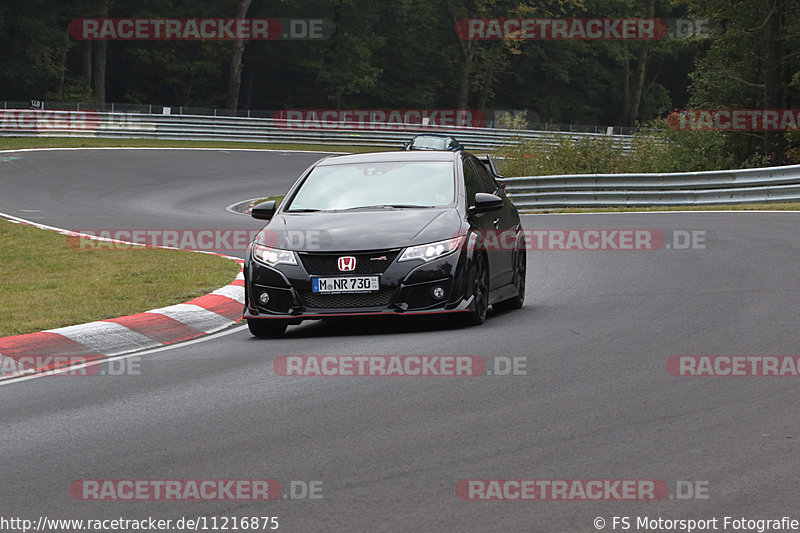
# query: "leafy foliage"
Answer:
x=406 y=54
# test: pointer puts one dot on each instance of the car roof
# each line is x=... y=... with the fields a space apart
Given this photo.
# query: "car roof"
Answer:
x=387 y=157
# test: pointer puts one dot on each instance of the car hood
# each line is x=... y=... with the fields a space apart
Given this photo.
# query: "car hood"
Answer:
x=360 y=230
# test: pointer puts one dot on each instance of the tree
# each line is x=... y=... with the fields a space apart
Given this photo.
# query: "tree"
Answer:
x=475 y=55
x=752 y=64
x=33 y=45
x=235 y=74
x=347 y=65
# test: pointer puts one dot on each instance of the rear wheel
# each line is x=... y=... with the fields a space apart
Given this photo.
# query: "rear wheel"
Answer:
x=520 y=271
x=266 y=328
x=480 y=293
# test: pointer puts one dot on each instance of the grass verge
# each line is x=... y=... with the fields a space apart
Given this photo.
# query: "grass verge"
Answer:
x=48 y=282
x=278 y=199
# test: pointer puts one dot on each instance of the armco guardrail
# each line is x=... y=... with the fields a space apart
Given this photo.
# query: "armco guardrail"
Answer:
x=700 y=188
x=24 y=122
x=775 y=184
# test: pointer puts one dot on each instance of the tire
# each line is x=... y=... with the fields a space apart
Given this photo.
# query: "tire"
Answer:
x=266 y=328
x=480 y=293
x=520 y=269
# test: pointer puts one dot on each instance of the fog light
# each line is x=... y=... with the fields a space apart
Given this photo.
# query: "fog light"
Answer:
x=438 y=292
x=263 y=298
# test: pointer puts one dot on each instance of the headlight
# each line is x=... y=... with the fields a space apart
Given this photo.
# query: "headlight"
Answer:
x=434 y=250
x=273 y=256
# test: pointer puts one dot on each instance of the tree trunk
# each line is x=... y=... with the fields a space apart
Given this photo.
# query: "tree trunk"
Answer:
x=465 y=65
x=641 y=71
x=99 y=68
x=773 y=90
x=633 y=88
x=486 y=90
x=87 y=62
x=626 y=86
x=638 y=80
x=463 y=82
x=235 y=74
x=99 y=72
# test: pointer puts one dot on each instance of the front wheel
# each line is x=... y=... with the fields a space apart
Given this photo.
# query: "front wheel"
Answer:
x=480 y=293
x=266 y=328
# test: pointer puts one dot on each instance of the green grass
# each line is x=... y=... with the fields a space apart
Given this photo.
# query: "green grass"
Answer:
x=278 y=199
x=16 y=143
x=48 y=282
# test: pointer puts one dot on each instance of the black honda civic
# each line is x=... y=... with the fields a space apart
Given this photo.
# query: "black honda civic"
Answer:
x=390 y=233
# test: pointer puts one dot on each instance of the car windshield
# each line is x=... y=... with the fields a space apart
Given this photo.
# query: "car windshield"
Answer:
x=376 y=185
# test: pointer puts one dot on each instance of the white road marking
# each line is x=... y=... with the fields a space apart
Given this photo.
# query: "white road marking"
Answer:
x=108 y=338
x=234 y=292
x=195 y=316
x=125 y=356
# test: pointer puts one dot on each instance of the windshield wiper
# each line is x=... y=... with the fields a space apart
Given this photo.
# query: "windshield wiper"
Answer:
x=304 y=210
x=384 y=206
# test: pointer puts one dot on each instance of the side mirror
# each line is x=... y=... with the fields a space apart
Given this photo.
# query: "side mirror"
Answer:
x=264 y=211
x=485 y=202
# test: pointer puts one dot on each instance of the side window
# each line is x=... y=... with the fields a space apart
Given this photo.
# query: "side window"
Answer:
x=489 y=185
x=472 y=181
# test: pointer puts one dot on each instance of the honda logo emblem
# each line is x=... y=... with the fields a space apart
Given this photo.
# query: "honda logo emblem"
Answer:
x=347 y=263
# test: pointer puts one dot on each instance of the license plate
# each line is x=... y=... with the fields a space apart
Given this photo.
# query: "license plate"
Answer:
x=348 y=284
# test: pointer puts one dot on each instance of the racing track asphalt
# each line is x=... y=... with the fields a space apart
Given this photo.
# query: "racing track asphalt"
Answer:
x=596 y=403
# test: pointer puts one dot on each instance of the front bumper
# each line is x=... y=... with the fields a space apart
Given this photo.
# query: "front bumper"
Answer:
x=406 y=288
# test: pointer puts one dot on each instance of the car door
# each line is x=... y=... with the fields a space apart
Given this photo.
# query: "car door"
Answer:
x=488 y=224
x=506 y=224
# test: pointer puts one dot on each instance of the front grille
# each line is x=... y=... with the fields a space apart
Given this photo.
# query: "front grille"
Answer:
x=382 y=298
x=366 y=263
